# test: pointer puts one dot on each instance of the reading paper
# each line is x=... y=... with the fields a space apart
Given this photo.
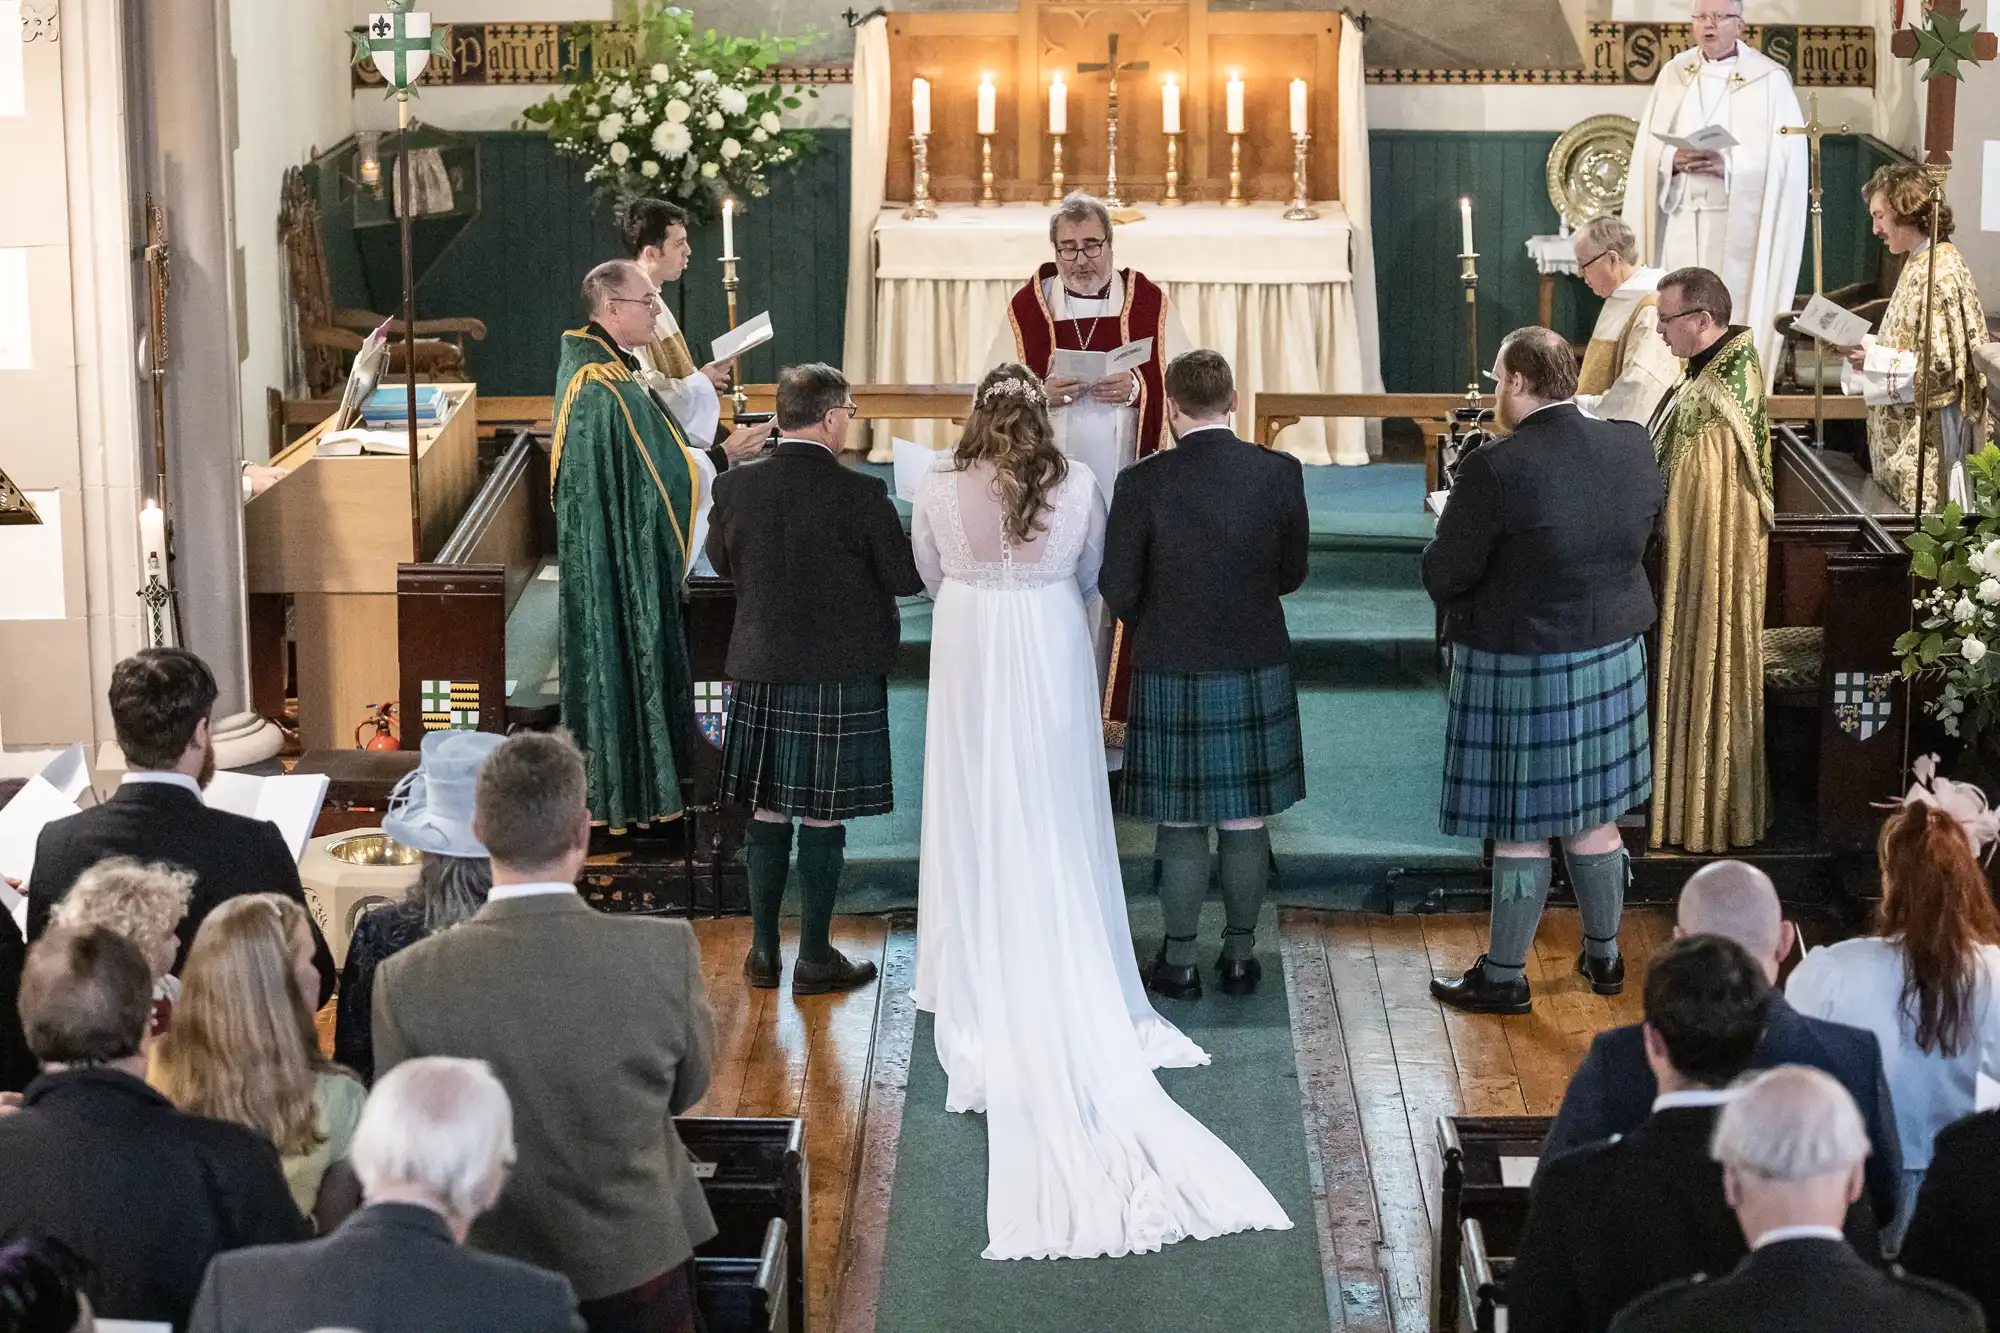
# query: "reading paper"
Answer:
x=751 y=333
x=1825 y=320
x=1517 y=1173
x=289 y=800
x=912 y=460
x=1707 y=139
x=1091 y=367
x=1436 y=500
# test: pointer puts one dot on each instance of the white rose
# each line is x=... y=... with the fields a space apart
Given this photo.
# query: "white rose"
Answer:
x=678 y=111
x=1971 y=649
x=758 y=136
x=1963 y=609
x=593 y=109
x=710 y=170
x=683 y=88
x=671 y=139
x=622 y=95
x=714 y=120
x=730 y=149
x=649 y=168
x=732 y=101
x=621 y=152
x=704 y=76
x=770 y=122
x=640 y=116
x=611 y=127
x=1989 y=590
x=661 y=74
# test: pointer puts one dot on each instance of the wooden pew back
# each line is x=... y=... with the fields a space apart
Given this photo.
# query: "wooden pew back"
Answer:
x=1472 y=1189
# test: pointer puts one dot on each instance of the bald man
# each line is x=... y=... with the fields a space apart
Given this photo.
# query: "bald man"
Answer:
x=1613 y=1089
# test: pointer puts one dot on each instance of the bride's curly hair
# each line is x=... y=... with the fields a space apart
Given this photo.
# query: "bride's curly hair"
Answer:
x=1009 y=428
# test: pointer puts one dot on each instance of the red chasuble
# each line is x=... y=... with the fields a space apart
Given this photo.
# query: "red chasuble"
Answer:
x=1037 y=336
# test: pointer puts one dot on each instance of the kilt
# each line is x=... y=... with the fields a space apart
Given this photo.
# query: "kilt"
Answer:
x=1202 y=747
x=1545 y=745
x=820 y=750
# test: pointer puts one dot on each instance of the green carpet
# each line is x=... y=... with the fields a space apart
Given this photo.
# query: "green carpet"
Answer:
x=1254 y=1282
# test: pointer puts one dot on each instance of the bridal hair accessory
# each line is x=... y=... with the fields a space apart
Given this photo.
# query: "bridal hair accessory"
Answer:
x=1961 y=800
x=1027 y=390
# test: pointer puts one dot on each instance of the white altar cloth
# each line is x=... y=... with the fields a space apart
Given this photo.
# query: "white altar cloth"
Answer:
x=1275 y=297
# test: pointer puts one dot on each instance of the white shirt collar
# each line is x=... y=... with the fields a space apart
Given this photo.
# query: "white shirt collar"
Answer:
x=1693 y=1097
x=1808 y=1232
x=162 y=776
x=500 y=893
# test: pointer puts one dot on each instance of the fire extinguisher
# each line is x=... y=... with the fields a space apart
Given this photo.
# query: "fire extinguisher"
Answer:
x=384 y=722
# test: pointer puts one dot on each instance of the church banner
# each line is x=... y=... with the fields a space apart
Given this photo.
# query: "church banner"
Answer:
x=481 y=54
x=1816 y=56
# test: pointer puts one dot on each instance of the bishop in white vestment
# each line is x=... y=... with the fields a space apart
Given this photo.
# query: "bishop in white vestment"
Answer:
x=1739 y=212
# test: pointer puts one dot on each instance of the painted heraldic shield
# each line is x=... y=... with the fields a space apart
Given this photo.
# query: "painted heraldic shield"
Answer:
x=1862 y=702
x=399 y=43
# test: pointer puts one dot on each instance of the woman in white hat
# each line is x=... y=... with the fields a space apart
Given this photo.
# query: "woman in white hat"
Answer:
x=431 y=811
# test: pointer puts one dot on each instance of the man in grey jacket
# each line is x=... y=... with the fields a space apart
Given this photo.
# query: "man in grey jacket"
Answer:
x=599 y=1029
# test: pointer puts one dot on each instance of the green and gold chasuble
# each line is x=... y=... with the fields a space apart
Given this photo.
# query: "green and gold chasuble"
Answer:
x=625 y=493
x=1711 y=790
x=1958 y=326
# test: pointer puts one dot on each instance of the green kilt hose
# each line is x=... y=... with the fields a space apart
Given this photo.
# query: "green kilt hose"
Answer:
x=1205 y=746
x=818 y=750
x=1545 y=745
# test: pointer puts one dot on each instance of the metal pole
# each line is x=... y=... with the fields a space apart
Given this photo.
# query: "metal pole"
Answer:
x=409 y=318
x=1922 y=400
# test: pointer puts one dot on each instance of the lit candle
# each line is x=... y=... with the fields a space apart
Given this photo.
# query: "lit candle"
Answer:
x=1170 y=106
x=1058 y=106
x=986 y=96
x=153 y=538
x=1235 y=102
x=1298 y=106
x=1465 y=226
x=729 y=229
x=920 y=106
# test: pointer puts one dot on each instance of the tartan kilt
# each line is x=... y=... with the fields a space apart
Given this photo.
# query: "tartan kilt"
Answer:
x=1201 y=747
x=820 y=750
x=1545 y=745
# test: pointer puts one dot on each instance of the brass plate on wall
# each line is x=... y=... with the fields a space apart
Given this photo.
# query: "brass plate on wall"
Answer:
x=1587 y=168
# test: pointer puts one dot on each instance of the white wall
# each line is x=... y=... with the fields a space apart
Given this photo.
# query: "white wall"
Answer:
x=1969 y=183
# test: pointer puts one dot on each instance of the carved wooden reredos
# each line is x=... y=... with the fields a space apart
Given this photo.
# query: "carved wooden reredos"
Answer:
x=1200 y=46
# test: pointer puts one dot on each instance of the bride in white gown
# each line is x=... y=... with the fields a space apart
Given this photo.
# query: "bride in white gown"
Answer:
x=1024 y=953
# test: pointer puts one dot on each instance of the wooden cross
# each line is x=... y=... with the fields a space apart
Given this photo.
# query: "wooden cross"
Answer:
x=1109 y=65
x=1944 y=43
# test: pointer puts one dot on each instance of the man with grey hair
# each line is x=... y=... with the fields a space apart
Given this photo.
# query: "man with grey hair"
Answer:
x=432 y=1150
x=631 y=508
x=1626 y=369
x=1791 y=1146
x=1613 y=1089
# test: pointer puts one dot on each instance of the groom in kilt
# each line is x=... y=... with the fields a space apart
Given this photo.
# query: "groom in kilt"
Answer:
x=1202 y=541
x=1538 y=564
x=818 y=556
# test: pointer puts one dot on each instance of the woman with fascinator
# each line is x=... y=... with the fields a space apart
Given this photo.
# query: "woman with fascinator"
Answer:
x=1024 y=952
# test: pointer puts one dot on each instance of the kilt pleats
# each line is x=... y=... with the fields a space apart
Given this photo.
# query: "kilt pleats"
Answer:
x=818 y=750
x=1201 y=747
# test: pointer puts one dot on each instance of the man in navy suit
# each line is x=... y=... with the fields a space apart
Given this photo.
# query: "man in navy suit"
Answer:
x=1613 y=1088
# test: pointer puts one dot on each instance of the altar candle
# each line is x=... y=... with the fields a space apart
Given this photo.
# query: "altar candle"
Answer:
x=729 y=229
x=1298 y=106
x=986 y=96
x=1170 y=106
x=920 y=106
x=1465 y=226
x=1058 y=106
x=153 y=537
x=1235 y=102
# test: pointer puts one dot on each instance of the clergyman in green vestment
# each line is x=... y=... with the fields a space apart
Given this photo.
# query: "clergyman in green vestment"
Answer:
x=629 y=494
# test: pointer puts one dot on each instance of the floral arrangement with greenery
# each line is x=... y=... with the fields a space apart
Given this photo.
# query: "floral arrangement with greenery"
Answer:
x=1957 y=552
x=694 y=120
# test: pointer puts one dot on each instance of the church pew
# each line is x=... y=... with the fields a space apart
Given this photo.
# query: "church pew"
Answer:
x=753 y=1173
x=1482 y=1282
x=1472 y=1190
x=747 y=1294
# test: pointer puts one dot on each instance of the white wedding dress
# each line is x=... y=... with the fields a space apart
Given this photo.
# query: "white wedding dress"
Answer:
x=1024 y=953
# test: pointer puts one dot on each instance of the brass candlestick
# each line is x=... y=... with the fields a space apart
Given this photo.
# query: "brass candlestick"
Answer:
x=920 y=167
x=739 y=403
x=1468 y=274
x=1173 y=196
x=1055 y=169
x=987 y=199
x=1235 y=199
x=1111 y=199
x=1300 y=211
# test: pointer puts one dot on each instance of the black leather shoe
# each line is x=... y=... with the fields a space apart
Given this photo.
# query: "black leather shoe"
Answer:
x=1476 y=994
x=1607 y=975
x=761 y=968
x=830 y=975
x=1238 y=976
x=1172 y=980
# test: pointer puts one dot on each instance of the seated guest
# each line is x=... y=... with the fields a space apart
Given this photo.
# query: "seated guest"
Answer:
x=433 y=1150
x=1791 y=1145
x=94 y=1158
x=145 y=904
x=160 y=701
x=431 y=811
x=1954 y=1235
x=243 y=1047
x=600 y=1030
x=41 y=1288
x=1613 y=1088
x=1926 y=983
x=1611 y=1221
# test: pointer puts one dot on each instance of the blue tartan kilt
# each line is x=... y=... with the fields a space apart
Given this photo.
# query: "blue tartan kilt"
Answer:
x=1202 y=747
x=817 y=750
x=1545 y=745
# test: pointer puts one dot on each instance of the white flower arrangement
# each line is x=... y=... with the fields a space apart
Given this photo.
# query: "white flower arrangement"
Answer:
x=1957 y=553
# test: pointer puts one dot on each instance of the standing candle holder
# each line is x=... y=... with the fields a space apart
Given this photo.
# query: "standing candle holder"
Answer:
x=1235 y=199
x=1468 y=274
x=920 y=168
x=1055 y=169
x=1173 y=196
x=738 y=401
x=987 y=199
x=1300 y=211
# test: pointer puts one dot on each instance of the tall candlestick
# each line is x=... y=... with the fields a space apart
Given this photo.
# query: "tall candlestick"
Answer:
x=1172 y=198
x=920 y=106
x=1235 y=102
x=1055 y=169
x=1300 y=211
x=1236 y=199
x=153 y=537
x=1298 y=106
x=987 y=199
x=1058 y=105
x=1465 y=226
x=920 y=172
x=986 y=103
x=729 y=229
x=1170 y=106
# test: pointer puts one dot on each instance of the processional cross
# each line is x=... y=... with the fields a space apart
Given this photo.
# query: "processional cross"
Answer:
x=1109 y=65
x=1816 y=129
